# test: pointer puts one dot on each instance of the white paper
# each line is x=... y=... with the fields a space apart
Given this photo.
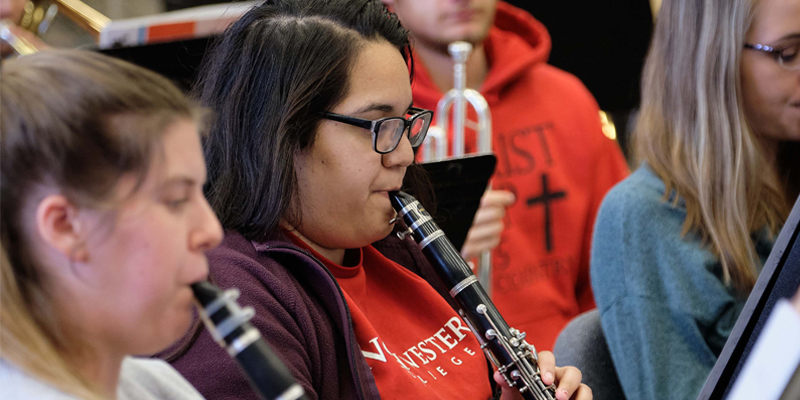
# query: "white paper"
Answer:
x=210 y=19
x=774 y=358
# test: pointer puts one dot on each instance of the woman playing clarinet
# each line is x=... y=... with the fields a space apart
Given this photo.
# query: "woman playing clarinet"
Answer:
x=104 y=228
x=315 y=127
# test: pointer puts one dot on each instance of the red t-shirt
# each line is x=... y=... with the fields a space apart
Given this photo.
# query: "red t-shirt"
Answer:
x=415 y=344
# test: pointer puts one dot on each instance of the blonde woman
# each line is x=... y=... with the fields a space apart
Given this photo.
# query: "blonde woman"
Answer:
x=104 y=228
x=679 y=244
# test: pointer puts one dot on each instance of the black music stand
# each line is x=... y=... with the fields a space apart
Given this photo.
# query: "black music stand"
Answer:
x=780 y=278
x=458 y=185
x=179 y=60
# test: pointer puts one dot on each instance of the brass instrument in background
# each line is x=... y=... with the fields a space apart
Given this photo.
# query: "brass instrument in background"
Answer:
x=436 y=144
x=76 y=23
x=18 y=44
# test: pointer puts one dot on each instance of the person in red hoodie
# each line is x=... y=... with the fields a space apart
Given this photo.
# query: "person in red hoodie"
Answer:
x=554 y=163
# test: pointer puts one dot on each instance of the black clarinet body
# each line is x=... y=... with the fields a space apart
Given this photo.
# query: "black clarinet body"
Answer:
x=505 y=346
x=228 y=324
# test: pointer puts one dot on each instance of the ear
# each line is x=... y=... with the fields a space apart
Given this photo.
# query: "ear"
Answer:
x=58 y=225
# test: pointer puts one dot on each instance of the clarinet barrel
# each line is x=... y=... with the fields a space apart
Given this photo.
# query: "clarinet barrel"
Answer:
x=228 y=324
x=506 y=347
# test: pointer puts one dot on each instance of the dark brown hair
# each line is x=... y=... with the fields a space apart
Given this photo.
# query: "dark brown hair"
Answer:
x=268 y=80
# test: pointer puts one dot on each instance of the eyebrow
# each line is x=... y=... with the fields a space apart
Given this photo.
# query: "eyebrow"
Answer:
x=795 y=35
x=382 y=107
x=179 y=181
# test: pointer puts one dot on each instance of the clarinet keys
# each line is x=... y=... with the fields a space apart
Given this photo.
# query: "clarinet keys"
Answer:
x=506 y=347
x=523 y=370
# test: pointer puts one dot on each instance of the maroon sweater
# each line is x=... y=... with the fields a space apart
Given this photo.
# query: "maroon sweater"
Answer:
x=301 y=312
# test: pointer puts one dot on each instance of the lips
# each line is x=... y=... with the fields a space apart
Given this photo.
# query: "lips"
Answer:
x=464 y=15
x=391 y=189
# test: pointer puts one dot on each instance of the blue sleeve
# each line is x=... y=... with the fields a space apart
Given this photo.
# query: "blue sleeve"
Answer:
x=659 y=354
x=663 y=308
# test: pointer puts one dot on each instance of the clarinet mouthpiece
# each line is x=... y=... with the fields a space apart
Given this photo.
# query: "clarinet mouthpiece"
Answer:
x=205 y=293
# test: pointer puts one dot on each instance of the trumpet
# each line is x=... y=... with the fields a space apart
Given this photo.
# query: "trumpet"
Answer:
x=506 y=347
x=436 y=144
x=435 y=147
x=76 y=24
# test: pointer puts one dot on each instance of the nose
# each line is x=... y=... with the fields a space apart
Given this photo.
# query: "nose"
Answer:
x=402 y=156
x=207 y=233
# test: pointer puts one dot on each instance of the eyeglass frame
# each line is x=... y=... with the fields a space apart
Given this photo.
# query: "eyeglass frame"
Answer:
x=375 y=125
x=776 y=53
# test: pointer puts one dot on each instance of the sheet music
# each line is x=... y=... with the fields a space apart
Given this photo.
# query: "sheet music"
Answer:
x=183 y=24
x=775 y=357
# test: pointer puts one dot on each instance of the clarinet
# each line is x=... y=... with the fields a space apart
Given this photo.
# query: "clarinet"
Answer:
x=227 y=322
x=506 y=347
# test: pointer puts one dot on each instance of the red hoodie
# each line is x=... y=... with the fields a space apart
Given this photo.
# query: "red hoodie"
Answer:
x=553 y=156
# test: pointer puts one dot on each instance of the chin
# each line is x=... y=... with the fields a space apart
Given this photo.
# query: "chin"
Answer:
x=380 y=232
x=174 y=332
x=178 y=324
x=474 y=32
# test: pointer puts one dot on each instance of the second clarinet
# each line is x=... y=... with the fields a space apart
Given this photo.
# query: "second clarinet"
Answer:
x=229 y=326
x=506 y=347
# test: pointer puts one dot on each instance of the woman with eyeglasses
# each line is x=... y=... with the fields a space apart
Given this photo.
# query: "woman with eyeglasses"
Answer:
x=104 y=228
x=315 y=127
x=679 y=245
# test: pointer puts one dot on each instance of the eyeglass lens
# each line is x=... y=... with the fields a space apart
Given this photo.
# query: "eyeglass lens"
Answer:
x=391 y=131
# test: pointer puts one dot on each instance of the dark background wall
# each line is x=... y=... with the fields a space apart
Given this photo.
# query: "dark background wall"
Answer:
x=604 y=43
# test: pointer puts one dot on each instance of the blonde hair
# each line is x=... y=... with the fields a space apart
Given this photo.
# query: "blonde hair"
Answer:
x=692 y=131
x=26 y=343
x=60 y=126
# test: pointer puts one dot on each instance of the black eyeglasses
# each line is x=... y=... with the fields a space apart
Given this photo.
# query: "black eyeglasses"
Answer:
x=787 y=56
x=387 y=132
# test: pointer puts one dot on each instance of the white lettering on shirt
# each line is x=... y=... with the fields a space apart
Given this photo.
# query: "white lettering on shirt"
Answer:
x=375 y=356
x=407 y=359
x=419 y=355
x=449 y=335
x=444 y=338
x=455 y=325
x=431 y=354
x=432 y=341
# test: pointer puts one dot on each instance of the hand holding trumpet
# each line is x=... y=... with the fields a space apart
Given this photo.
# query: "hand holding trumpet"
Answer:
x=487 y=226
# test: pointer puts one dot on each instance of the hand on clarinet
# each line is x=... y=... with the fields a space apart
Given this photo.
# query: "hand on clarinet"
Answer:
x=484 y=234
x=567 y=379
